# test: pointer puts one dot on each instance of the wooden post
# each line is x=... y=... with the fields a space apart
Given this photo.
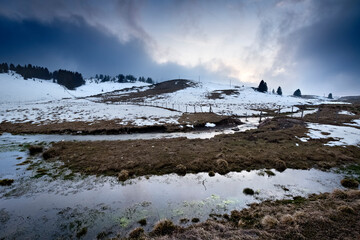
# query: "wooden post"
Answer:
x=336 y=116
x=317 y=114
x=260 y=116
x=302 y=113
x=210 y=110
x=279 y=110
x=194 y=109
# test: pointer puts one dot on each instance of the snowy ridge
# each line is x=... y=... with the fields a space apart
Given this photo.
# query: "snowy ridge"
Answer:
x=14 y=88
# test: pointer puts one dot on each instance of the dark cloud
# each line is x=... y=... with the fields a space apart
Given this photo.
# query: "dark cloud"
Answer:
x=326 y=52
x=81 y=48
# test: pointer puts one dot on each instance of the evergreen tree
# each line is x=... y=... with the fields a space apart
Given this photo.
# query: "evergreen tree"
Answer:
x=130 y=78
x=4 y=68
x=330 y=96
x=262 y=87
x=121 y=78
x=279 y=91
x=70 y=80
x=149 y=80
x=297 y=93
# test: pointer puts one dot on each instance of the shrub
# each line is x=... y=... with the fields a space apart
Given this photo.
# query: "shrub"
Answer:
x=269 y=221
x=34 y=149
x=142 y=222
x=164 y=227
x=346 y=209
x=280 y=165
x=287 y=219
x=248 y=191
x=349 y=183
x=222 y=166
x=123 y=175
x=6 y=182
x=195 y=220
x=180 y=169
x=137 y=233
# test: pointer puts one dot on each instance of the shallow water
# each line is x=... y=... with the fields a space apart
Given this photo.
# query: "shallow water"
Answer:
x=48 y=207
x=249 y=123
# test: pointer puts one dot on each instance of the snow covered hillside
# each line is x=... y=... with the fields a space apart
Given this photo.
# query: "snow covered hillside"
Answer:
x=41 y=101
x=14 y=88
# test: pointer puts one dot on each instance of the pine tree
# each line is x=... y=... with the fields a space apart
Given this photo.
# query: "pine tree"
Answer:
x=330 y=96
x=297 y=93
x=121 y=78
x=279 y=91
x=149 y=80
x=262 y=87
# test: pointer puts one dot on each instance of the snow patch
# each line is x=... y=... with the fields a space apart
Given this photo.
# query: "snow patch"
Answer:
x=356 y=123
x=343 y=135
x=210 y=125
x=343 y=112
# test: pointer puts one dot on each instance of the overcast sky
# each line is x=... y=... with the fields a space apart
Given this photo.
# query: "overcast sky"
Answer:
x=313 y=45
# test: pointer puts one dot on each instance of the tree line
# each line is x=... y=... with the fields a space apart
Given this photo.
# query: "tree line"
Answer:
x=123 y=78
x=264 y=88
x=68 y=79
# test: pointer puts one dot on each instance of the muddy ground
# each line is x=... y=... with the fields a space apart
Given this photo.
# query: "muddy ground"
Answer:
x=274 y=144
x=197 y=120
x=325 y=216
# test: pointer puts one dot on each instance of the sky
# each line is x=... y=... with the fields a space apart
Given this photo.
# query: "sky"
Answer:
x=313 y=45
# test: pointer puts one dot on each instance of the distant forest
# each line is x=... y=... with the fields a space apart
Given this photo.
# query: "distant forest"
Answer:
x=68 y=79
x=122 y=78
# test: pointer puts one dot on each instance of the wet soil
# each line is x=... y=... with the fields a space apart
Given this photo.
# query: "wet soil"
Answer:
x=197 y=120
x=333 y=215
x=274 y=144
